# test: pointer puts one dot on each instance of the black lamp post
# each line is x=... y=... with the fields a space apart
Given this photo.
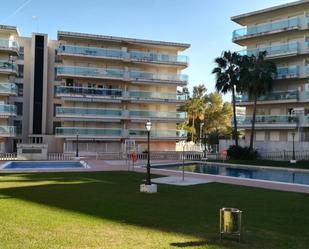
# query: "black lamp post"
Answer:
x=148 y=128
x=77 y=149
x=293 y=155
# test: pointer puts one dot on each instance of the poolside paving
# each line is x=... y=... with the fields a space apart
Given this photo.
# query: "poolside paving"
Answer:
x=122 y=165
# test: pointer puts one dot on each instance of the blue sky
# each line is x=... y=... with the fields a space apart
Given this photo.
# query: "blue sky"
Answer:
x=205 y=24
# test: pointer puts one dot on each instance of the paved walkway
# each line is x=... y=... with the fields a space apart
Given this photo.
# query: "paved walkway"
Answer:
x=120 y=165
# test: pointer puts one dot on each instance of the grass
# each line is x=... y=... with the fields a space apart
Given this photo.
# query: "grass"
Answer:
x=271 y=163
x=105 y=210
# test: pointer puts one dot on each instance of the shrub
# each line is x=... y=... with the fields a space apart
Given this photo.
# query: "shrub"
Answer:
x=241 y=153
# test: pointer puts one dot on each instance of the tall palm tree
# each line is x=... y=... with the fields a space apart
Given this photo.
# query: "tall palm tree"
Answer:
x=227 y=73
x=257 y=82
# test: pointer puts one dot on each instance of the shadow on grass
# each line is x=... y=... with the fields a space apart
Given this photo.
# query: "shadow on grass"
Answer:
x=193 y=210
x=190 y=244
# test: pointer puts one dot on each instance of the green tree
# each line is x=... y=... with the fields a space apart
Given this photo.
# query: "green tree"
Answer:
x=257 y=81
x=227 y=73
x=217 y=117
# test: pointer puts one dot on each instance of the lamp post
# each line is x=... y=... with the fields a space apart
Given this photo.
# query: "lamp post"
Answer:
x=293 y=155
x=148 y=128
x=77 y=149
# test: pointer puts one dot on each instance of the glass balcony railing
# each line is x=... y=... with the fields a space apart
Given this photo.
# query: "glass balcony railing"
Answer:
x=9 y=44
x=288 y=72
x=156 y=95
x=74 y=131
x=273 y=50
x=156 y=114
x=90 y=71
x=158 y=133
x=8 y=66
x=141 y=75
x=91 y=51
x=156 y=57
x=84 y=112
x=96 y=92
x=119 y=74
x=7 y=110
x=289 y=23
x=8 y=88
x=120 y=54
x=280 y=95
x=269 y=119
x=7 y=131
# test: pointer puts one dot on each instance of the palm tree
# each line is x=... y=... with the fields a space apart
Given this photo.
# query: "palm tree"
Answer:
x=199 y=91
x=257 y=82
x=228 y=79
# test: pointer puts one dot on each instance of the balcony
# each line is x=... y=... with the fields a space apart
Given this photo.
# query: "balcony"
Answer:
x=7 y=67
x=282 y=50
x=279 y=96
x=7 y=110
x=108 y=53
x=268 y=28
x=8 y=89
x=88 y=133
x=88 y=94
x=84 y=114
x=7 y=131
x=9 y=46
x=144 y=96
x=269 y=121
x=120 y=74
x=158 y=134
x=290 y=72
x=157 y=115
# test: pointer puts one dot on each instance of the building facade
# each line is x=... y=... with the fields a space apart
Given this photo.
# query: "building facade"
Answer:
x=98 y=89
x=283 y=31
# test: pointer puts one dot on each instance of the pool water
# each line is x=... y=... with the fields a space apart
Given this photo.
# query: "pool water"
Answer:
x=42 y=165
x=259 y=173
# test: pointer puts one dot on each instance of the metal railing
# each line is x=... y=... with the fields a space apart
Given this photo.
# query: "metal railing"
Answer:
x=8 y=156
x=60 y=157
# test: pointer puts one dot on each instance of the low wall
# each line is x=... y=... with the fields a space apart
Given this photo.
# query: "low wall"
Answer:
x=273 y=150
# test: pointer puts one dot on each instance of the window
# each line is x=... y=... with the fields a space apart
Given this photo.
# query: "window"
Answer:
x=55 y=73
x=20 y=71
x=19 y=108
x=21 y=53
x=55 y=108
x=20 y=89
x=55 y=125
x=19 y=127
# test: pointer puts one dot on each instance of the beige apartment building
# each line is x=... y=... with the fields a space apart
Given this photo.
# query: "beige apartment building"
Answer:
x=283 y=31
x=98 y=89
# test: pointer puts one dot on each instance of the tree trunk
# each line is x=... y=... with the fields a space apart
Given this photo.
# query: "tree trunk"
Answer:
x=193 y=128
x=253 y=123
x=235 y=133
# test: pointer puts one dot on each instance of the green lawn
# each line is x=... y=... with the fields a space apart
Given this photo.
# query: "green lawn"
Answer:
x=271 y=163
x=106 y=210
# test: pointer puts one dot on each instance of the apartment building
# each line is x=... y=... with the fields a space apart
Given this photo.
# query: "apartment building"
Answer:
x=99 y=90
x=283 y=31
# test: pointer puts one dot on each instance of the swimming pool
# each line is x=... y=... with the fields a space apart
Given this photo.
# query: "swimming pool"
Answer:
x=18 y=165
x=259 y=173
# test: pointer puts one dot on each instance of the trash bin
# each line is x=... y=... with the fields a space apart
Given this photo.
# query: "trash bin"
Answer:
x=230 y=222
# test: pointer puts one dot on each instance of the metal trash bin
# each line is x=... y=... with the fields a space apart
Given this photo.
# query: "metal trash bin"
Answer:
x=230 y=222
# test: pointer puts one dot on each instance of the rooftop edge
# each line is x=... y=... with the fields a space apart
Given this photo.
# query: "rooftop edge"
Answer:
x=238 y=18
x=121 y=39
